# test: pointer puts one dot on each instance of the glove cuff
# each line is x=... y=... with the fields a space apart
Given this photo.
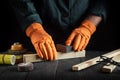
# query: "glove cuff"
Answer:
x=33 y=27
x=89 y=25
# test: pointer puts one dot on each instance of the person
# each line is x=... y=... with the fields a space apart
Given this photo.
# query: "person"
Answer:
x=48 y=22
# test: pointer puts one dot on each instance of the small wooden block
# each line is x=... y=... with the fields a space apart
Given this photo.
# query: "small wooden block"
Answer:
x=63 y=48
x=109 y=68
x=35 y=58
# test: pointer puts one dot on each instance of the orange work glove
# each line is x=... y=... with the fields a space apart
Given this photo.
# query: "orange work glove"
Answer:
x=81 y=35
x=41 y=41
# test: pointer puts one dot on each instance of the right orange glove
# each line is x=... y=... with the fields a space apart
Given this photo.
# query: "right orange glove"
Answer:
x=81 y=35
x=41 y=41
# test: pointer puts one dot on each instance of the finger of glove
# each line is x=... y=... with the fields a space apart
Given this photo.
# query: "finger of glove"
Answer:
x=86 y=42
x=49 y=51
x=70 y=39
x=82 y=43
x=44 y=51
x=76 y=42
x=38 y=50
x=54 y=50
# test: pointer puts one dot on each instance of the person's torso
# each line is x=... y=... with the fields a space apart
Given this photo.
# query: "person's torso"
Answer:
x=62 y=13
x=60 y=17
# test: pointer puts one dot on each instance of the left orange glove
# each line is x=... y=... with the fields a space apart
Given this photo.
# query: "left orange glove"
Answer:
x=81 y=35
x=42 y=41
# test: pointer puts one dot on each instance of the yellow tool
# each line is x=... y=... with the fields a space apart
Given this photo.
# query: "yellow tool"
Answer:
x=7 y=59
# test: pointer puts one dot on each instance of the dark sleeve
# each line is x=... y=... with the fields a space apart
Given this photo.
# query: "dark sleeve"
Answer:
x=98 y=8
x=25 y=12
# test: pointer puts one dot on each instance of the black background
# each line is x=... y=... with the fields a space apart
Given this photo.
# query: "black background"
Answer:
x=107 y=36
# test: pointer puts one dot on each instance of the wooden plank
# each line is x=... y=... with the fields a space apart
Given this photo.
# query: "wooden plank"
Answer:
x=60 y=55
x=110 y=67
x=93 y=61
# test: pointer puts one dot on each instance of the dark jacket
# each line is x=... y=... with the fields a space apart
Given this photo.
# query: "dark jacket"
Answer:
x=58 y=17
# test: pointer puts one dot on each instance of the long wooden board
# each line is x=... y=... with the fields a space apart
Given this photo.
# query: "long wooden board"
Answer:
x=93 y=61
x=60 y=55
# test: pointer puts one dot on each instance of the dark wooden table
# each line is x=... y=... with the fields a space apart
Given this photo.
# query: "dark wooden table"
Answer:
x=59 y=70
